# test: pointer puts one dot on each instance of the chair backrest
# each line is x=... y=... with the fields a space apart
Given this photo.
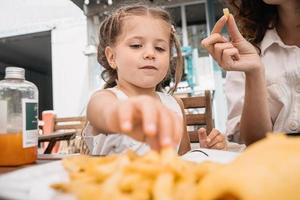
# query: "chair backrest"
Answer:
x=69 y=123
x=198 y=119
x=60 y=129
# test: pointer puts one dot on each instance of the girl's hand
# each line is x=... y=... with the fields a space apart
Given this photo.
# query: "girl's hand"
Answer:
x=147 y=120
x=235 y=55
x=215 y=140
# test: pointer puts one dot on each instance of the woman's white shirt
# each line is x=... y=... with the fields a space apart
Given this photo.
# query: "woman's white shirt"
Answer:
x=282 y=72
x=105 y=144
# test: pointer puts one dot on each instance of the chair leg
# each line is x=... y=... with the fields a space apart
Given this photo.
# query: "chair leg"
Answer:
x=50 y=146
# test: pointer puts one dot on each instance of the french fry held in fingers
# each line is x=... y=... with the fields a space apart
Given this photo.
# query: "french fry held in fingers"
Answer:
x=226 y=12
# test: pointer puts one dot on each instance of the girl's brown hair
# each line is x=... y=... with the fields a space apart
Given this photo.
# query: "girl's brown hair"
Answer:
x=254 y=18
x=111 y=28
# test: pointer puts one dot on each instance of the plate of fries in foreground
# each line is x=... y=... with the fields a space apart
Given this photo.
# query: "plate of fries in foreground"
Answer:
x=130 y=176
x=268 y=169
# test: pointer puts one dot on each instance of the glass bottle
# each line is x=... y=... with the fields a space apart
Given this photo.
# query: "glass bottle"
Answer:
x=18 y=119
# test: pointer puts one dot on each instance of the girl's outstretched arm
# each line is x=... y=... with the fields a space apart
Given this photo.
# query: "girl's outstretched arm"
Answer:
x=140 y=117
x=239 y=55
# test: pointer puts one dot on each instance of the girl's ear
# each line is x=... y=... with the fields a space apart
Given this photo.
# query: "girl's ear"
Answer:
x=110 y=56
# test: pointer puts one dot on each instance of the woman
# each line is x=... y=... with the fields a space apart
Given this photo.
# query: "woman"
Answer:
x=273 y=26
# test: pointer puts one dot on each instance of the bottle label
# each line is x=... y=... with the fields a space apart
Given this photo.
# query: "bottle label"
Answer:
x=30 y=122
x=3 y=116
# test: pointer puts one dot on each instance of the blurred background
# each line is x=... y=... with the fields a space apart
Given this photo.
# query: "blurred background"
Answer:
x=56 y=42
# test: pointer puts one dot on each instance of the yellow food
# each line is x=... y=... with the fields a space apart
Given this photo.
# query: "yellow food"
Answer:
x=268 y=169
x=226 y=12
x=154 y=176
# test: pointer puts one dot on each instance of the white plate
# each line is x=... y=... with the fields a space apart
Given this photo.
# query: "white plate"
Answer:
x=200 y=155
x=33 y=182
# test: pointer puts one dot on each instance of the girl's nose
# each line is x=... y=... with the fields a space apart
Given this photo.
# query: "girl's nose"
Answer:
x=149 y=54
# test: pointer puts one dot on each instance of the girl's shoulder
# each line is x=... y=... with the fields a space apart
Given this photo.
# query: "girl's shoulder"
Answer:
x=170 y=102
x=115 y=91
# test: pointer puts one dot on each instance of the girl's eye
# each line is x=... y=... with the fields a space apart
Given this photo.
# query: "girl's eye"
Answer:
x=160 y=49
x=135 y=46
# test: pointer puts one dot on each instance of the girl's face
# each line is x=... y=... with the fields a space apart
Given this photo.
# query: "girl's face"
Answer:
x=142 y=51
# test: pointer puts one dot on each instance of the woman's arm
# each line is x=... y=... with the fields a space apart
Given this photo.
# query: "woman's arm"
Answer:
x=239 y=55
x=255 y=119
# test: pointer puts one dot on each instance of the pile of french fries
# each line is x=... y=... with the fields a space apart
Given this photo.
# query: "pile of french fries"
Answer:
x=129 y=176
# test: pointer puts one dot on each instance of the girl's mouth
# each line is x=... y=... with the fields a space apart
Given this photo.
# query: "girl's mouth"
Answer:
x=149 y=67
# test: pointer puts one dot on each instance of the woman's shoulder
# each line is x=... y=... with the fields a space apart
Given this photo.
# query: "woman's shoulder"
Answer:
x=272 y=37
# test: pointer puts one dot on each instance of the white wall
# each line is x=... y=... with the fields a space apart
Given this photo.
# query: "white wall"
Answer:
x=68 y=37
x=26 y=16
x=69 y=69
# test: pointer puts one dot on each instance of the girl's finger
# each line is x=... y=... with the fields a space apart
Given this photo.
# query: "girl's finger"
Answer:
x=125 y=115
x=152 y=141
x=218 y=139
x=219 y=25
x=165 y=127
x=214 y=133
x=219 y=146
x=149 y=117
x=202 y=135
x=233 y=30
x=219 y=48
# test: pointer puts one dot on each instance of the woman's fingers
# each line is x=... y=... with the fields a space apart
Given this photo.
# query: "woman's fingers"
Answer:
x=230 y=58
x=219 y=25
x=219 y=48
x=210 y=41
x=233 y=30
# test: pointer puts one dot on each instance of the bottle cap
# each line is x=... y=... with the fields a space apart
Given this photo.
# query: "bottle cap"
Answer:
x=14 y=72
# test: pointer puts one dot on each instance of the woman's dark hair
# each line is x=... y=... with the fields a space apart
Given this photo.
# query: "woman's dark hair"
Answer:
x=111 y=28
x=254 y=18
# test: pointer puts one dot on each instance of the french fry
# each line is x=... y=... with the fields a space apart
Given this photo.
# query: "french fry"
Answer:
x=226 y=12
x=158 y=176
x=163 y=187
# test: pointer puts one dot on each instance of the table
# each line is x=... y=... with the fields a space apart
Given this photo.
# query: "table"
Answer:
x=42 y=159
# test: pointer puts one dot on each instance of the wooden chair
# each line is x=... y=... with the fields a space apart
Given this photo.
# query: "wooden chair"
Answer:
x=62 y=128
x=198 y=119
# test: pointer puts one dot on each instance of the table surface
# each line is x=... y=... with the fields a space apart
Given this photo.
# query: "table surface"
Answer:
x=42 y=159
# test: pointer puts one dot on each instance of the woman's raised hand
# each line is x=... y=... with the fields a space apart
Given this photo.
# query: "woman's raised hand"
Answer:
x=147 y=120
x=234 y=55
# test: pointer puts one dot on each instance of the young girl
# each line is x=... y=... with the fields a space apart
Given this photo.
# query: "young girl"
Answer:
x=273 y=26
x=135 y=49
